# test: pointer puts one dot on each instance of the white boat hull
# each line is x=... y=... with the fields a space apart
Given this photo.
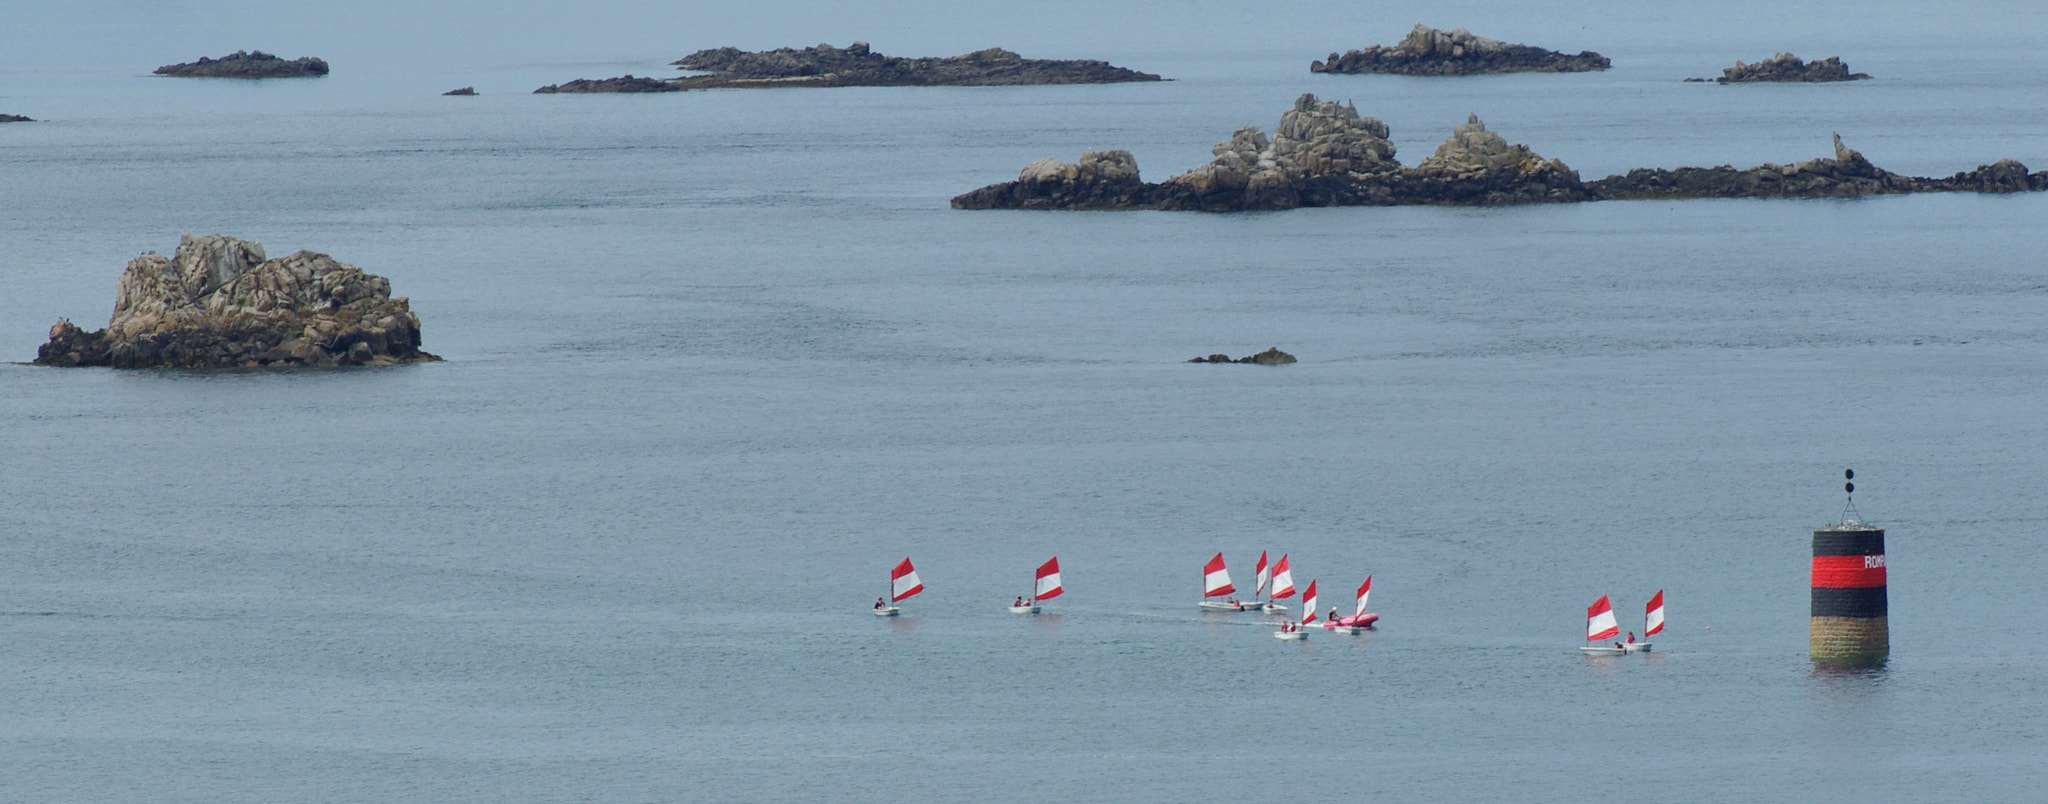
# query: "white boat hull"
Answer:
x=1290 y=635
x=889 y=611
x=1270 y=607
x=1023 y=609
x=1602 y=650
x=1211 y=605
x=1637 y=647
x=1344 y=629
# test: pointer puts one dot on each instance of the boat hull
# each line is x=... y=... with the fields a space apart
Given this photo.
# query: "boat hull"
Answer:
x=1602 y=650
x=1290 y=635
x=889 y=611
x=1023 y=609
x=1211 y=605
x=1637 y=647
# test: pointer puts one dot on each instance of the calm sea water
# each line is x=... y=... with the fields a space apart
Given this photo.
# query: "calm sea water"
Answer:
x=716 y=360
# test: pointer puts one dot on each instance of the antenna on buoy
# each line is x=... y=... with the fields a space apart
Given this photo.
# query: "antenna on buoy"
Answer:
x=1849 y=513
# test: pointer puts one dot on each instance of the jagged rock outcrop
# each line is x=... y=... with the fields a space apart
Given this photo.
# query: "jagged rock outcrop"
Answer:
x=1101 y=180
x=219 y=303
x=858 y=66
x=461 y=91
x=15 y=118
x=624 y=83
x=1325 y=154
x=1271 y=357
x=1428 y=51
x=1322 y=154
x=247 y=64
x=1787 y=67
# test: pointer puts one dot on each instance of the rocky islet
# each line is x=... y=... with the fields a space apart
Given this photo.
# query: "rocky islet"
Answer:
x=1787 y=68
x=1429 y=51
x=218 y=303
x=15 y=118
x=1271 y=357
x=859 y=66
x=1325 y=154
x=247 y=64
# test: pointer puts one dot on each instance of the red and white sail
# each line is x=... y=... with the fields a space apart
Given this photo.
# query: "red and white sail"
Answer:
x=1600 y=621
x=1265 y=574
x=1048 y=585
x=1216 y=578
x=1308 y=604
x=1364 y=591
x=1653 y=615
x=1283 y=580
x=903 y=581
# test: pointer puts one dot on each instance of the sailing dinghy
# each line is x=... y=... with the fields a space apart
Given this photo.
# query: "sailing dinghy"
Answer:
x=1216 y=583
x=1308 y=614
x=903 y=583
x=1283 y=587
x=1046 y=584
x=1600 y=625
x=1359 y=620
x=1653 y=621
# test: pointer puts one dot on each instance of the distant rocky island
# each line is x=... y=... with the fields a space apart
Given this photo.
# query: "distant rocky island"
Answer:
x=15 y=118
x=247 y=64
x=1788 y=68
x=219 y=303
x=1428 y=51
x=1271 y=357
x=857 y=66
x=1324 y=154
x=461 y=91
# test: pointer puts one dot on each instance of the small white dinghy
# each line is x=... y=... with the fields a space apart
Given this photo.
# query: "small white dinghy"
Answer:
x=1600 y=626
x=1265 y=576
x=1653 y=622
x=1299 y=631
x=903 y=583
x=1283 y=588
x=1045 y=584
x=1216 y=583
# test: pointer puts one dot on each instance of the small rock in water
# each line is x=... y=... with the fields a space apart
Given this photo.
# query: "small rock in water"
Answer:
x=462 y=91
x=1270 y=357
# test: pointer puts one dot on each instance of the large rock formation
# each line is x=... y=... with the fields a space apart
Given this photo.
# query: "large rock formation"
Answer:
x=1325 y=154
x=1271 y=357
x=1787 y=67
x=857 y=66
x=1322 y=154
x=15 y=118
x=1428 y=51
x=247 y=64
x=218 y=302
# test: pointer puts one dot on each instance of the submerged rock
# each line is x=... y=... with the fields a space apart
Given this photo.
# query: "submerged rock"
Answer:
x=247 y=64
x=15 y=118
x=1787 y=67
x=1326 y=154
x=625 y=83
x=461 y=91
x=1428 y=51
x=218 y=303
x=1271 y=357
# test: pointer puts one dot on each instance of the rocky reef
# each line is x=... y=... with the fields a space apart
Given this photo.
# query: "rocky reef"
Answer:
x=15 y=118
x=1325 y=154
x=624 y=83
x=857 y=66
x=1428 y=51
x=247 y=64
x=1787 y=67
x=219 y=303
x=461 y=91
x=1271 y=357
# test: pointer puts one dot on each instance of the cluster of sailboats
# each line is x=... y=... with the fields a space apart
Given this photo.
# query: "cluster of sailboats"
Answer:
x=1276 y=583
x=1601 y=626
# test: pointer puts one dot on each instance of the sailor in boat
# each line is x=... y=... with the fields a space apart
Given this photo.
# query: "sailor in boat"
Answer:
x=1333 y=614
x=1018 y=603
x=881 y=603
x=1631 y=637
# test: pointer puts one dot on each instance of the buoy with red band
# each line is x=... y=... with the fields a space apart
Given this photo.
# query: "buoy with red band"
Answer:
x=1849 y=623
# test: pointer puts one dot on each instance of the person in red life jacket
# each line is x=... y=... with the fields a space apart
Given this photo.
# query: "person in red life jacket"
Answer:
x=1018 y=603
x=1631 y=637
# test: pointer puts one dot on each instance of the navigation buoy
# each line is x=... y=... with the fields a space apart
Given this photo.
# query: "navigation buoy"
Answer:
x=1849 y=625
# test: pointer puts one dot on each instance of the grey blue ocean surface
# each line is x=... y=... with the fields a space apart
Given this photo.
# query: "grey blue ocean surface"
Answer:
x=717 y=360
